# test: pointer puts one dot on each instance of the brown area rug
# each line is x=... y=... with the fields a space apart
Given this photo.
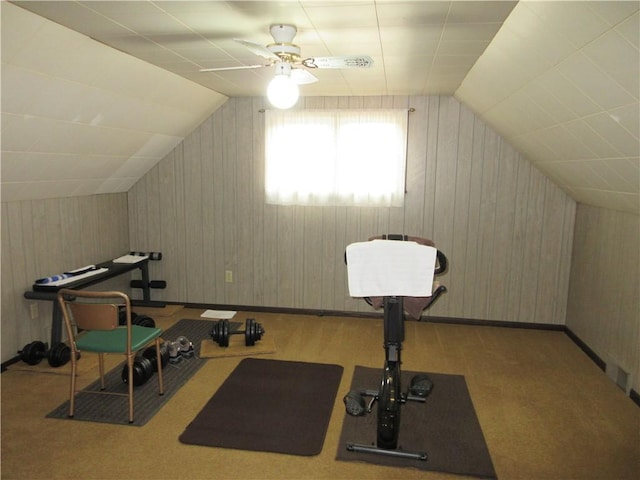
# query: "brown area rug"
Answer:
x=269 y=405
x=445 y=427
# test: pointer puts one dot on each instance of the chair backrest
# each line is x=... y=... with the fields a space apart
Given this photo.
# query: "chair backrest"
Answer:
x=95 y=316
x=98 y=310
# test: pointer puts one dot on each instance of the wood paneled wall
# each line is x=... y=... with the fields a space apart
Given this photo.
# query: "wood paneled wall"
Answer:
x=506 y=229
x=604 y=293
x=46 y=237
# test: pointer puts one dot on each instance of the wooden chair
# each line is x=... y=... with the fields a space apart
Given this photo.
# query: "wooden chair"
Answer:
x=92 y=322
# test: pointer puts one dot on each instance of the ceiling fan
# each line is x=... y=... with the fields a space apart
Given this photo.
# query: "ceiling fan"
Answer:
x=286 y=56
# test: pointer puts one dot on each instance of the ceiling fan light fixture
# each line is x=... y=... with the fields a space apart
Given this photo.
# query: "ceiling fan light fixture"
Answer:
x=283 y=92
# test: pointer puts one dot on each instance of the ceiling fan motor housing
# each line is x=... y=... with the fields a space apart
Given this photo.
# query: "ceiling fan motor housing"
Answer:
x=283 y=46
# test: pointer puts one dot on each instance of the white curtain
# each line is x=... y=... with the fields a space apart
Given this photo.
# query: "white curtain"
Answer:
x=336 y=157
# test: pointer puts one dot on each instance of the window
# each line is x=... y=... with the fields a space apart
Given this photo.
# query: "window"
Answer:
x=335 y=157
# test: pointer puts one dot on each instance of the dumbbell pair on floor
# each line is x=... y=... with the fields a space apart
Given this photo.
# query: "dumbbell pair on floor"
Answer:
x=220 y=332
x=33 y=353
x=145 y=365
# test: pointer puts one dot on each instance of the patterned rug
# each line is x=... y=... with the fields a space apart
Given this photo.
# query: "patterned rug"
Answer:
x=147 y=402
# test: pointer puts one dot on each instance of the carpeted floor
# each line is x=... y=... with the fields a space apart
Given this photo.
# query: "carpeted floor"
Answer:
x=271 y=406
x=445 y=427
x=147 y=402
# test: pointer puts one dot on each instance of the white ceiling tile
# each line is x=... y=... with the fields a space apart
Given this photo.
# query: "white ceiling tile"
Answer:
x=574 y=99
x=570 y=19
x=591 y=140
x=342 y=15
x=628 y=171
x=628 y=117
x=512 y=121
x=617 y=182
x=614 y=12
x=534 y=149
x=485 y=11
x=408 y=13
x=19 y=27
x=623 y=66
x=630 y=30
x=593 y=82
x=614 y=133
x=470 y=32
x=548 y=102
x=536 y=33
x=462 y=48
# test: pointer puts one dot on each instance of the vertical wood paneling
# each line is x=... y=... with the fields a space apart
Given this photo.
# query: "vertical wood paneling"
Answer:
x=457 y=270
x=445 y=182
x=207 y=180
x=47 y=237
x=604 y=299
x=498 y=275
x=220 y=129
x=257 y=221
x=245 y=205
x=532 y=249
x=484 y=205
x=193 y=215
x=230 y=205
x=472 y=273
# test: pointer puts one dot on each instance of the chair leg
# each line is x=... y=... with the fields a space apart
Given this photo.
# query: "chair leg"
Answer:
x=159 y=362
x=72 y=395
x=130 y=386
x=101 y=368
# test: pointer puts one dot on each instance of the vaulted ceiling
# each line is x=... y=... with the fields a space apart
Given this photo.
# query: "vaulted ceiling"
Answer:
x=96 y=92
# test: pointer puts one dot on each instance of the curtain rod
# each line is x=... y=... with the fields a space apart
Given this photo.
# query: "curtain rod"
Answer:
x=410 y=109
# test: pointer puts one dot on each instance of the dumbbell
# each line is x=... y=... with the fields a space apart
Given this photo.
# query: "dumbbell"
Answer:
x=151 y=354
x=252 y=333
x=181 y=348
x=141 y=320
x=33 y=353
x=142 y=371
x=145 y=365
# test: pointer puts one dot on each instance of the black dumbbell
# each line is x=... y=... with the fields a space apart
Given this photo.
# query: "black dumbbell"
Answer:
x=252 y=333
x=33 y=353
x=141 y=320
x=142 y=371
x=151 y=354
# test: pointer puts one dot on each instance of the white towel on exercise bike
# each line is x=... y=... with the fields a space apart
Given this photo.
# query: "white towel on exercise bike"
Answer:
x=390 y=268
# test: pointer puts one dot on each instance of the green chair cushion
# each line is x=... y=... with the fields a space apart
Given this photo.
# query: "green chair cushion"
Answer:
x=115 y=341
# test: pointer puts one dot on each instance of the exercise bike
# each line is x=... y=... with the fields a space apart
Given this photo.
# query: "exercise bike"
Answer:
x=390 y=396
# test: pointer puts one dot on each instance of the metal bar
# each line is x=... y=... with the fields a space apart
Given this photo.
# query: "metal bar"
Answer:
x=355 y=447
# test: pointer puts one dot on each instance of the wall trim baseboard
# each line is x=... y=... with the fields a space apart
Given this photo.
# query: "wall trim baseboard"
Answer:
x=635 y=397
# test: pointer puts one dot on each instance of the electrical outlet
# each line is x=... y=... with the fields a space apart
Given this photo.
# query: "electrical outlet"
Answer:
x=228 y=276
x=33 y=310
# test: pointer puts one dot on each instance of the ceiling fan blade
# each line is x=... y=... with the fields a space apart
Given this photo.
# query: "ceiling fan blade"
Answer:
x=302 y=76
x=258 y=49
x=346 y=61
x=222 y=69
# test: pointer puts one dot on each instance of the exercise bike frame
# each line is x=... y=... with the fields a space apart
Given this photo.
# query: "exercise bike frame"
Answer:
x=390 y=396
